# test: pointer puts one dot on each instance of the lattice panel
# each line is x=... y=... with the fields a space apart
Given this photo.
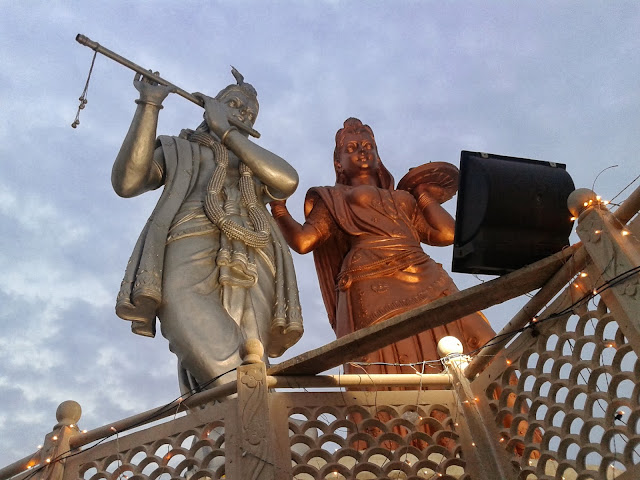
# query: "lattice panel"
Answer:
x=191 y=446
x=574 y=412
x=374 y=441
x=197 y=453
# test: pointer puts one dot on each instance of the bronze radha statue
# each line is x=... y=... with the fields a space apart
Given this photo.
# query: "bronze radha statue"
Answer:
x=366 y=238
x=210 y=263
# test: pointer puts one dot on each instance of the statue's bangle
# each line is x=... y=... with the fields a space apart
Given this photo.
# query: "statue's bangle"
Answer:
x=424 y=200
x=142 y=102
x=226 y=133
x=271 y=195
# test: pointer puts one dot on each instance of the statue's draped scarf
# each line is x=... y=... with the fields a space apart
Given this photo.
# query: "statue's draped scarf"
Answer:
x=141 y=290
x=360 y=249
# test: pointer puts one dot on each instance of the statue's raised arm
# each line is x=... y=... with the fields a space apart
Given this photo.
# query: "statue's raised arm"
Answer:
x=210 y=264
x=134 y=171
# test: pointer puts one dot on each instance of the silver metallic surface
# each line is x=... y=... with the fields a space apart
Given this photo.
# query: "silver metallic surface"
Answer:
x=212 y=291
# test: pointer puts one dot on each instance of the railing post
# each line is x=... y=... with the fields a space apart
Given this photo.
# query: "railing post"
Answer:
x=616 y=254
x=253 y=455
x=482 y=451
x=56 y=448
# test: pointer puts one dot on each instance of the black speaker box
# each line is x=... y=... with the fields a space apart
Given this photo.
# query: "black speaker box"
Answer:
x=511 y=212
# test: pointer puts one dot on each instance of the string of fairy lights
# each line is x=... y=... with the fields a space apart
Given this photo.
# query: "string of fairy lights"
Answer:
x=498 y=339
x=156 y=414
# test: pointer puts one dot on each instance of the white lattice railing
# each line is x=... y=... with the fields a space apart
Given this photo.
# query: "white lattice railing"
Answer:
x=367 y=435
x=558 y=400
x=565 y=398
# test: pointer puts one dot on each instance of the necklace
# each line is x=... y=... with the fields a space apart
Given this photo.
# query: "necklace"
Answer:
x=257 y=237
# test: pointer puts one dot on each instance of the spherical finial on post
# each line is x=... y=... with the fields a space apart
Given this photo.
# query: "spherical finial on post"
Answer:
x=68 y=413
x=253 y=351
x=451 y=350
x=581 y=199
x=449 y=345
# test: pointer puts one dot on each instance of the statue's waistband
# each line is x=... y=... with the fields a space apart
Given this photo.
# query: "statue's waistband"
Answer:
x=386 y=242
x=382 y=266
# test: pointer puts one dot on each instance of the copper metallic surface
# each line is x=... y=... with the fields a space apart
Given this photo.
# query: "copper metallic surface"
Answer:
x=366 y=239
x=442 y=174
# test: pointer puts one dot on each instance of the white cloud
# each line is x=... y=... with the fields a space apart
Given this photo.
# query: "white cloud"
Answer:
x=37 y=280
x=38 y=216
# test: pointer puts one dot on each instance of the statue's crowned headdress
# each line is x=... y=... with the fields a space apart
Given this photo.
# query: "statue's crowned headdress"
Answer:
x=241 y=86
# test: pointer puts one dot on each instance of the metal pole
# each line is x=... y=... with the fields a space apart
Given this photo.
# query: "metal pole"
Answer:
x=351 y=380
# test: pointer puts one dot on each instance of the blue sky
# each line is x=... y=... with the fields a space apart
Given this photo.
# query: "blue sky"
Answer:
x=555 y=81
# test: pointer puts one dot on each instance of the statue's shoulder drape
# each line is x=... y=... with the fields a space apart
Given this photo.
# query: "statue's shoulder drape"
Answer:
x=328 y=257
x=141 y=289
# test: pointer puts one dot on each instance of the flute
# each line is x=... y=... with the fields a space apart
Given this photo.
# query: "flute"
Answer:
x=87 y=42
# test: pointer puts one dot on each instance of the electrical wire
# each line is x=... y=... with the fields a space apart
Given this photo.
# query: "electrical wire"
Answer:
x=497 y=339
x=152 y=416
x=620 y=192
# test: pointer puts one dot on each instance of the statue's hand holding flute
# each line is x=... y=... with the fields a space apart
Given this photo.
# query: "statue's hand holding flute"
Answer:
x=151 y=92
x=216 y=114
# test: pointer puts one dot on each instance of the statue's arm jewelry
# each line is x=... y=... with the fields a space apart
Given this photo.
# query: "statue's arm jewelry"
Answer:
x=226 y=133
x=142 y=102
x=271 y=195
x=424 y=200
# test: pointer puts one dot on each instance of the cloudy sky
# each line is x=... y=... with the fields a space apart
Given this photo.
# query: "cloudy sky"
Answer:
x=556 y=81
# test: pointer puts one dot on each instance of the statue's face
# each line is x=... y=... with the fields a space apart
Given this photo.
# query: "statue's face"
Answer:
x=358 y=155
x=241 y=106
